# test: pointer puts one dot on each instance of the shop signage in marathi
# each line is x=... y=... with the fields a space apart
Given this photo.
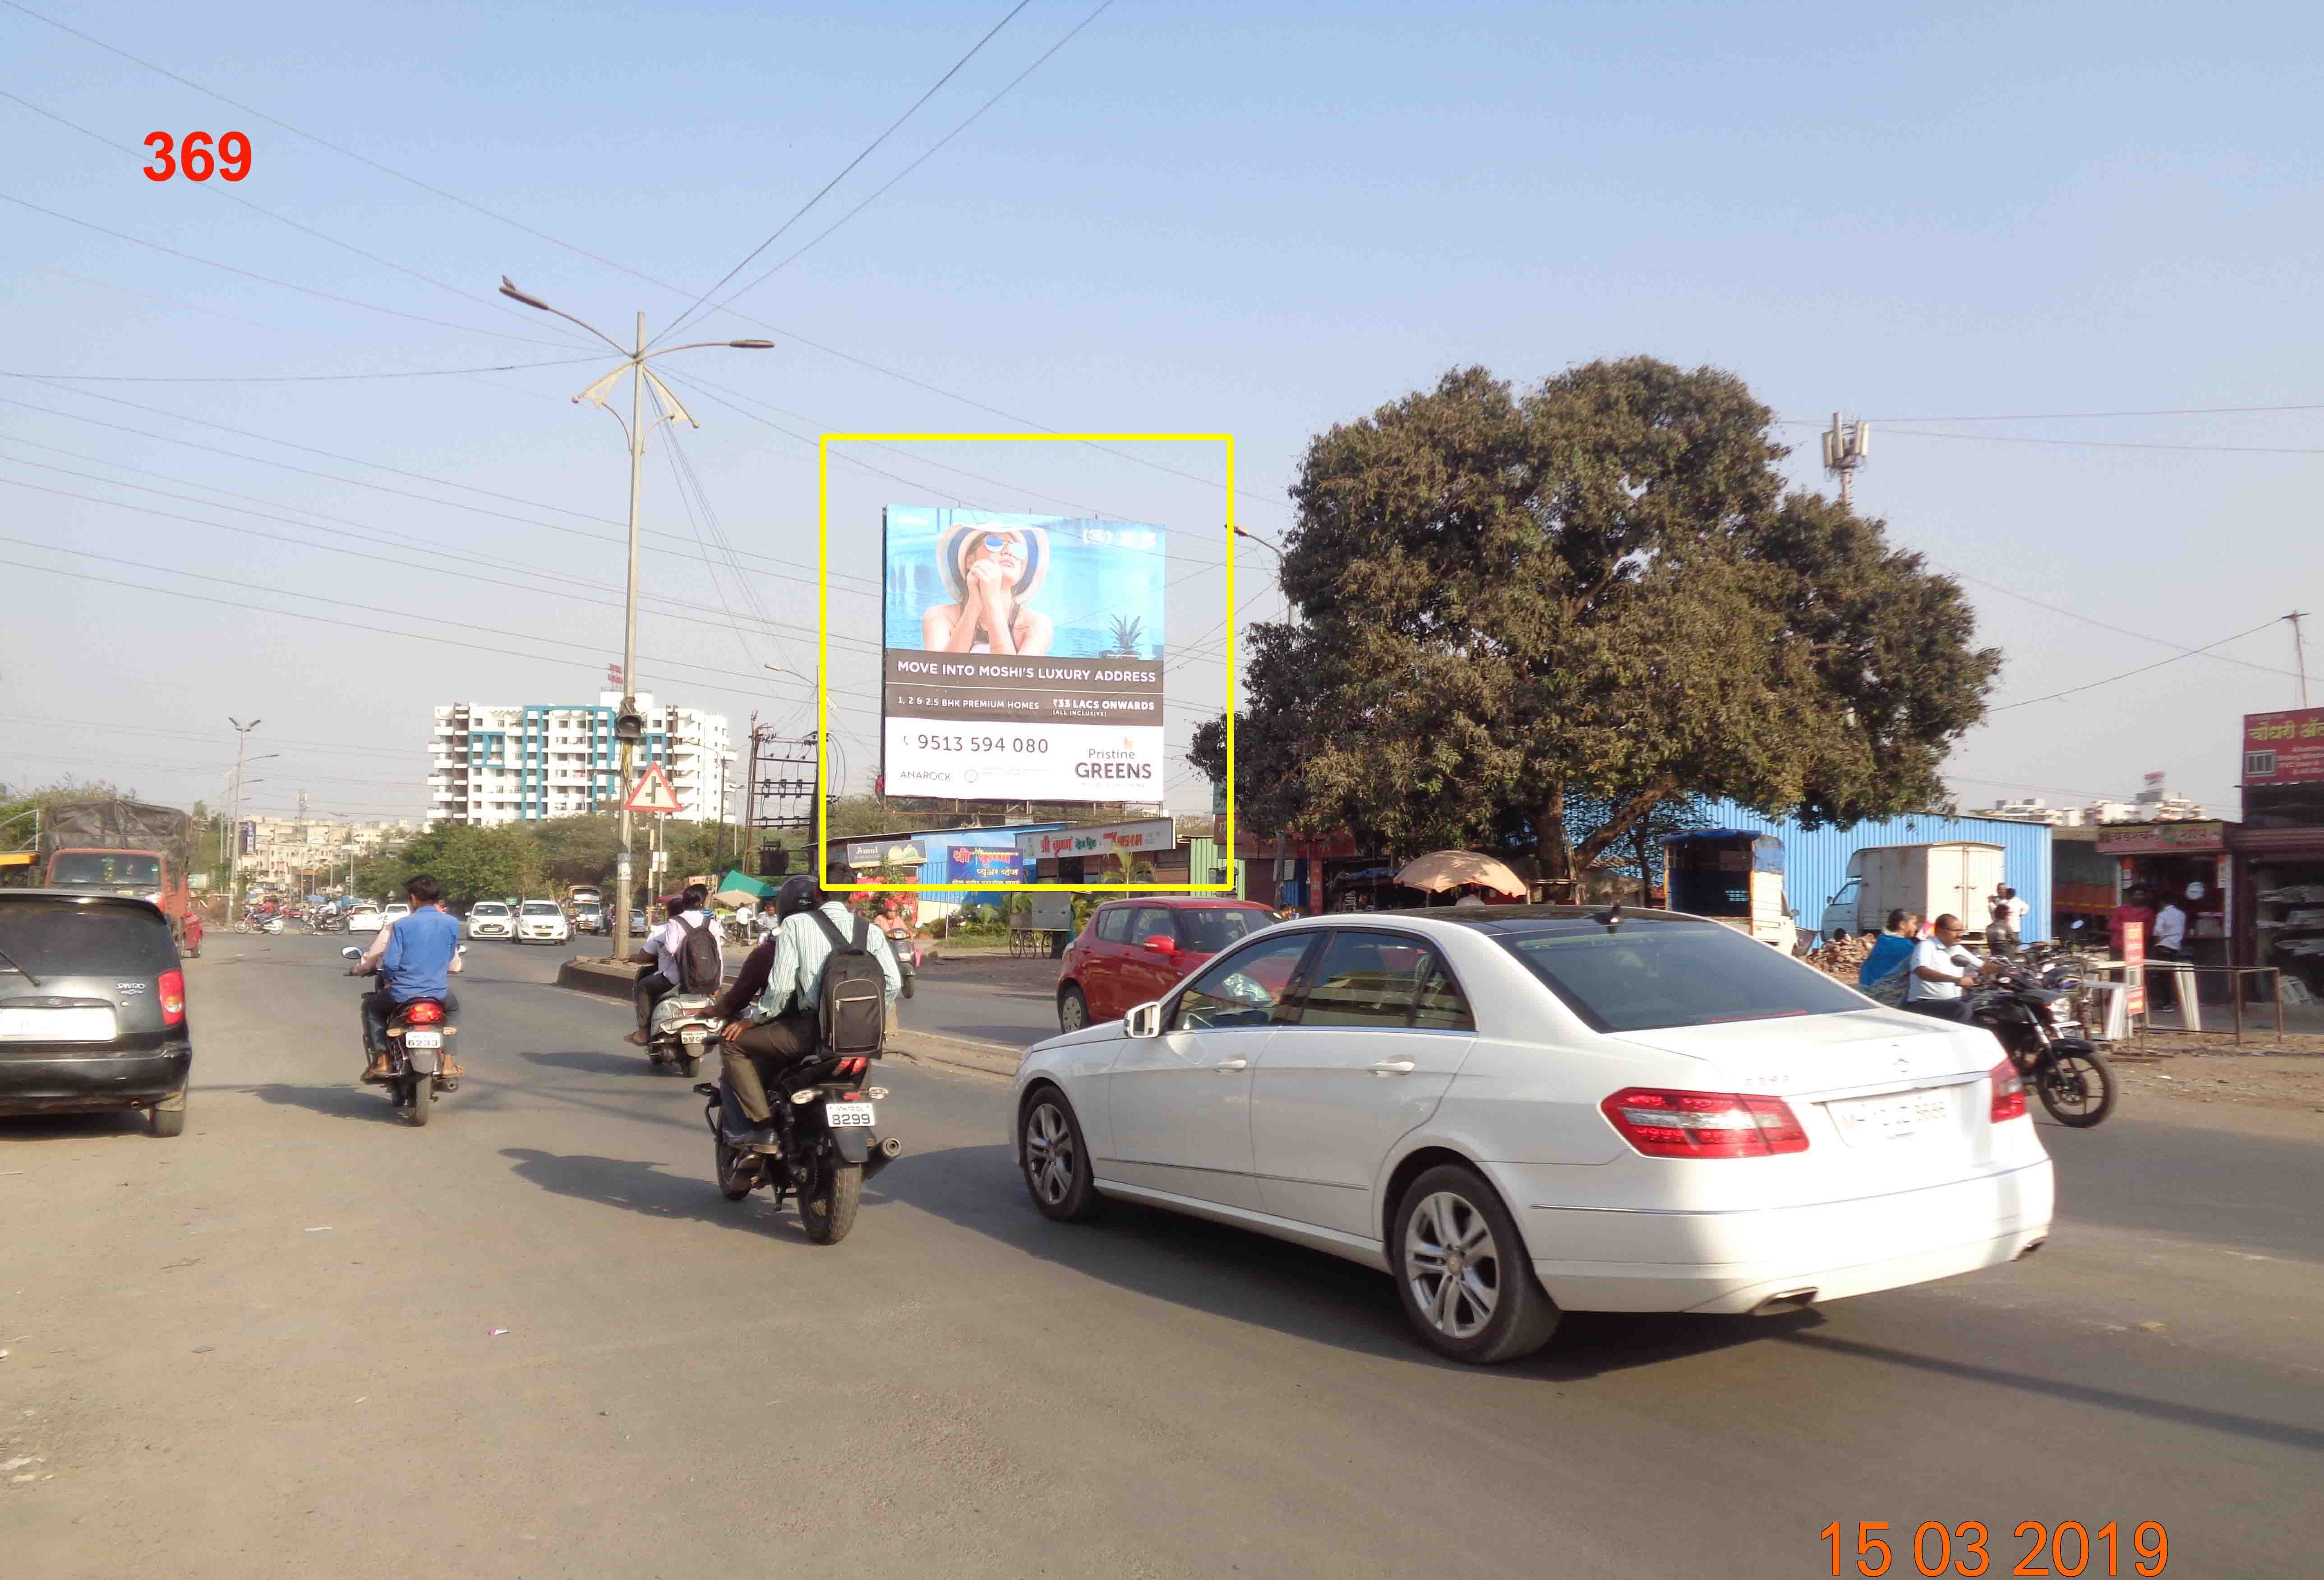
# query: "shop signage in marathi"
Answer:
x=1152 y=835
x=977 y=863
x=2145 y=838
x=2285 y=748
x=872 y=853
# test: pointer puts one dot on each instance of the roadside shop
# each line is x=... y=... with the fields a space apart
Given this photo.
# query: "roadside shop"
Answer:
x=2279 y=849
x=2189 y=861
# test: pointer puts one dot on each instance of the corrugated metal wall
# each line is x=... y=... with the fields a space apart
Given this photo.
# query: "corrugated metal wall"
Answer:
x=1815 y=860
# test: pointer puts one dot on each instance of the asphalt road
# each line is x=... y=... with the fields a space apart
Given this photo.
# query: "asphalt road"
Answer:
x=274 y=1347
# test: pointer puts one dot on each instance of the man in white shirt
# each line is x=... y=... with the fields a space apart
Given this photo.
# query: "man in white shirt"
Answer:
x=2006 y=930
x=661 y=951
x=1942 y=966
x=2170 y=940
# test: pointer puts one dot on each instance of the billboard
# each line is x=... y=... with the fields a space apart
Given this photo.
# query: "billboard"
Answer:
x=1023 y=656
x=2285 y=748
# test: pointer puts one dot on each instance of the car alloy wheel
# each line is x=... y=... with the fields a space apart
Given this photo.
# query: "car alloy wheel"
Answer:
x=1048 y=1153
x=1453 y=1265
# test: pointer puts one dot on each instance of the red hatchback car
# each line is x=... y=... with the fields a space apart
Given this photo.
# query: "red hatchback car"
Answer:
x=1134 y=950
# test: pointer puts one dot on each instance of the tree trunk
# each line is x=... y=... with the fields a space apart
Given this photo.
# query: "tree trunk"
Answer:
x=1550 y=848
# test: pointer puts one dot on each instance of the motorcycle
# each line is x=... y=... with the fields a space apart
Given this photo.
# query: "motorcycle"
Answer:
x=416 y=1034
x=2070 y=1077
x=679 y=1030
x=824 y=1146
x=272 y=924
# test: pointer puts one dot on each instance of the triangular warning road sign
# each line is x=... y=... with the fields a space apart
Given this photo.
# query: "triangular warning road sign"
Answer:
x=653 y=793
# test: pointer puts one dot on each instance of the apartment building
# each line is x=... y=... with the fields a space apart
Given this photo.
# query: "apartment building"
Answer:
x=531 y=762
x=295 y=854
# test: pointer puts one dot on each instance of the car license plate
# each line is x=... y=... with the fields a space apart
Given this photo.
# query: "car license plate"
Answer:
x=842 y=1116
x=82 y=1025
x=694 y=1034
x=423 y=1040
x=1870 y=1122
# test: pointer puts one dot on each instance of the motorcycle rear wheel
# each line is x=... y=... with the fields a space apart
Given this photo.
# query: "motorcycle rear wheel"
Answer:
x=2077 y=1089
x=827 y=1211
x=420 y=1098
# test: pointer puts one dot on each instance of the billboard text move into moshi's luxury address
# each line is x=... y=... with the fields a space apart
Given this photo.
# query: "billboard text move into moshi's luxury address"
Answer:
x=1024 y=657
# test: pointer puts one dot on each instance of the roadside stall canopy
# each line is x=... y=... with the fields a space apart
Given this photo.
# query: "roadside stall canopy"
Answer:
x=1449 y=869
x=737 y=889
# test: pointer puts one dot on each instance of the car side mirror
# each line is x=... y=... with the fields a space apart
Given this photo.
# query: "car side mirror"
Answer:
x=1162 y=944
x=1143 y=1021
x=351 y=953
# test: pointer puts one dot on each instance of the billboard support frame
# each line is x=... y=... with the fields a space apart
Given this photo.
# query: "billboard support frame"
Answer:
x=823 y=656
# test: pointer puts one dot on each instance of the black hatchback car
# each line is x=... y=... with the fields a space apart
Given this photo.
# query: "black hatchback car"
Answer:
x=92 y=1007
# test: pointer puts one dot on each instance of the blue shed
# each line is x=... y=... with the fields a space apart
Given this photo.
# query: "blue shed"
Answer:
x=1815 y=860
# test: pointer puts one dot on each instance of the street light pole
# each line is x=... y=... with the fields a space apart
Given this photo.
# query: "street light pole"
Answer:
x=233 y=860
x=629 y=725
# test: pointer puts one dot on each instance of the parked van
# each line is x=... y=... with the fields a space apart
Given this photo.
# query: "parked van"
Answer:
x=1956 y=877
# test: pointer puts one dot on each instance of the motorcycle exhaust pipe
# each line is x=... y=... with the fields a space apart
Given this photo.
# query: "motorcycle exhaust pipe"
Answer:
x=886 y=1151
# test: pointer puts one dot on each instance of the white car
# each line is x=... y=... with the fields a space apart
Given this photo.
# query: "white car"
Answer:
x=542 y=921
x=1529 y=1110
x=490 y=919
x=363 y=918
x=396 y=913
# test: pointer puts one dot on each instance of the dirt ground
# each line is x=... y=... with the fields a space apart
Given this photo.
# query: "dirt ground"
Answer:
x=2174 y=1069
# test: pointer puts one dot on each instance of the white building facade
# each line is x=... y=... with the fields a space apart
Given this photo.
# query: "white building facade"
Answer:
x=294 y=854
x=531 y=762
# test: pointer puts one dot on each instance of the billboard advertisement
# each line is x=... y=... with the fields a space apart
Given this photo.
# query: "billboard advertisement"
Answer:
x=1023 y=656
x=2285 y=748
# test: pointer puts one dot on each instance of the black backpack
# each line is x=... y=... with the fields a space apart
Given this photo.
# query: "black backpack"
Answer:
x=699 y=967
x=854 y=1013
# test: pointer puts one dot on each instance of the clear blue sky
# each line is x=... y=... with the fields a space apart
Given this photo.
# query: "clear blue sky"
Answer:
x=1252 y=218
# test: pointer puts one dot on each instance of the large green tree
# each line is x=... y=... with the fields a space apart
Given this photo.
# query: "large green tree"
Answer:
x=1502 y=601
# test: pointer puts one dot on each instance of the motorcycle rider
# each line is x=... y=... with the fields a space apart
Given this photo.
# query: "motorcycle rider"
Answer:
x=686 y=914
x=1942 y=966
x=416 y=955
x=773 y=1008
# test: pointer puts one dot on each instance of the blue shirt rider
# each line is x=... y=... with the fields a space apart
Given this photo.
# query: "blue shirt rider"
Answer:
x=415 y=956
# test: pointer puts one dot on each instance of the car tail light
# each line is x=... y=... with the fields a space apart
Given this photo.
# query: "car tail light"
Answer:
x=423 y=1013
x=2008 y=1091
x=1704 y=1124
x=173 y=998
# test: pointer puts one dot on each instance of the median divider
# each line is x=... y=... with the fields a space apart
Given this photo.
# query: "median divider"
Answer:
x=606 y=978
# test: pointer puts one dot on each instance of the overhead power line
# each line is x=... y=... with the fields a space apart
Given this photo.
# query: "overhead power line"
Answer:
x=270 y=280
x=854 y=585
x=968 y=400
x=284 y=378
x=824 y=191
x=2143 y=669
x=925 y=157
x=231 y=196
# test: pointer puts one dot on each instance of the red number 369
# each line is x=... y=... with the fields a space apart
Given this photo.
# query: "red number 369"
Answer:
x=194 y=159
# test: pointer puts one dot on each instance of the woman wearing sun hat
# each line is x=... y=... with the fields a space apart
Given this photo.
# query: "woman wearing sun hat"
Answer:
x=993 y=573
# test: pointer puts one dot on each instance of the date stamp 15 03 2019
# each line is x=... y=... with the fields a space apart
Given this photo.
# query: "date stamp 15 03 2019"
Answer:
x=2068 y=1549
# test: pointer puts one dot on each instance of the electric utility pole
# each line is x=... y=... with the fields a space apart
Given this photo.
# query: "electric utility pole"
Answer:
x=1845 y=446
x=629 y=725
x=2298 y=652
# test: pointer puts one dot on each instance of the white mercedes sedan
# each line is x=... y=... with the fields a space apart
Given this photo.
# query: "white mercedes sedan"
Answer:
x=1536 y=1109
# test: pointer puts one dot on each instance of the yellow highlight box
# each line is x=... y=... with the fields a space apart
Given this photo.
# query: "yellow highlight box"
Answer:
x=823 y=655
